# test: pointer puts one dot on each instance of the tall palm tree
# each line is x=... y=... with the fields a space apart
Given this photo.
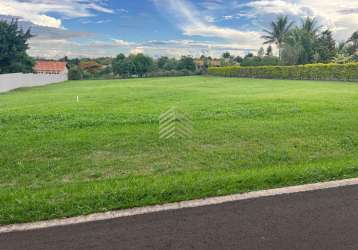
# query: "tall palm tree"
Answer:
x=310 y=25
x=277 y=32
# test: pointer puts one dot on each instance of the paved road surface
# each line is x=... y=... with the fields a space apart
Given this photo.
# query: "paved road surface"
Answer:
x=325 y=219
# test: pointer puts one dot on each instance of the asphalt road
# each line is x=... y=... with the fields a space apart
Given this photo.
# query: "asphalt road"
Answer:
x=325 y=219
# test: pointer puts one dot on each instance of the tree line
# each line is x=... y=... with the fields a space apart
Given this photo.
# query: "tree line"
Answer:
x=301 y=44
x=306 y=43
x=138 y=65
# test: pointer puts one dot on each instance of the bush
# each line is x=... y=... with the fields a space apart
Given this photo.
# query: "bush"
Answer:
x=168 y=73
x=342 y=72
x=260 y=61
x=75 y=73
x=86 y=75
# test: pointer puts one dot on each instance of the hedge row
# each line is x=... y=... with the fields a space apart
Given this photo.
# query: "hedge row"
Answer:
x=341 y=72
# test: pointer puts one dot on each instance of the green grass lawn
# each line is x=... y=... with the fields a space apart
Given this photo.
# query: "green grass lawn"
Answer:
x=61 y=158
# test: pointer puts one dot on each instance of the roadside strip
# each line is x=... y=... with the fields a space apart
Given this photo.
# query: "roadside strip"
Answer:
x=177 y=205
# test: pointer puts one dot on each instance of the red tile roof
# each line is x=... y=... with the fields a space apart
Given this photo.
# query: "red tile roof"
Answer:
x=49 y=66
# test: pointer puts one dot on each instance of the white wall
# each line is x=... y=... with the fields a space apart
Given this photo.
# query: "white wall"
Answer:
x=13 y=81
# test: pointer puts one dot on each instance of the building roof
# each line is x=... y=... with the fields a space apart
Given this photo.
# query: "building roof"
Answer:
x=50 y=66
x=199 y=62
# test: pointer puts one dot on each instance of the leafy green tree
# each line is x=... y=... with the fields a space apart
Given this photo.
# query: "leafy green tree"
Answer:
x=186 y=63
x=278 y=32
x=171 y=64
x=122 y=66
x=226 y=55
x=162 y=61
x=238 y=59
x=249 y=55
x=106 y=72
x=142 y=64
x=13 y=47
x=349 y=49
x=73 y=62
x=326 y=47
x=75 y=73
x=117 y=66
x=121 y=57
x=354 y=41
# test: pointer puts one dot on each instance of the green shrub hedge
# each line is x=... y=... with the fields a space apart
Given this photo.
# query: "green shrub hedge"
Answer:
x=341 y=72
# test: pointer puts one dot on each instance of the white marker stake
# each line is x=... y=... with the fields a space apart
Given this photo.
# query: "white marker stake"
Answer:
x=78 y=100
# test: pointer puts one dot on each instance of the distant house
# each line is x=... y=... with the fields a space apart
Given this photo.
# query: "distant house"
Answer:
x=215 y=63
x=199 y=63
x=51 y=67
x=202 y=63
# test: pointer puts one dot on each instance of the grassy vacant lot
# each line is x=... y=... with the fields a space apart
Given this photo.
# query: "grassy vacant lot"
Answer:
x=62 y=158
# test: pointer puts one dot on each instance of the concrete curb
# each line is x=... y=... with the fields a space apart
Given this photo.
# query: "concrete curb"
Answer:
x=177 y=205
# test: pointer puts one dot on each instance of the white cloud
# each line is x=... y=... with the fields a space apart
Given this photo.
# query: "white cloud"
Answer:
x=57 y=48
x=228 y=17
x=122 y=10
x=192 y=18
x=137 y=50
x=192 y=24
x=213 y=5
x=275 y=7
x=99 y=8
x=36 y=11
x=339 y=15
x=209 y=19
x=121 y=42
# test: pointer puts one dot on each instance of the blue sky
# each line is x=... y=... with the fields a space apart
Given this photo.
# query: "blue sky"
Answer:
x=90 y=28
